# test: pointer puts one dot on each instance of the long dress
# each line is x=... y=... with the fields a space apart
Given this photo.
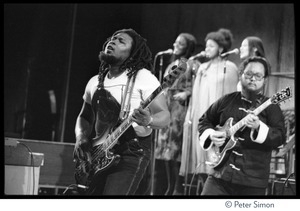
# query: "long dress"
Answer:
x=213 y=80
x=169 y=142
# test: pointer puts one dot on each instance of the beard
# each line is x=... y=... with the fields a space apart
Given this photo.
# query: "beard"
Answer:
x=250 y=94
x=109 y=59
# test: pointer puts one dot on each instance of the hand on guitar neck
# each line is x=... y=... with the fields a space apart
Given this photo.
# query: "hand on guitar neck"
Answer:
x=252 y=121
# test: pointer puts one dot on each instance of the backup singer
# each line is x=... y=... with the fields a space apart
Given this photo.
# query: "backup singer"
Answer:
x=246 y=170
x=251 y=46
x=169 y=139
x=125 y=55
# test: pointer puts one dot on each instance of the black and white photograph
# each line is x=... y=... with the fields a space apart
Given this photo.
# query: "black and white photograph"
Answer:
x=150 y=101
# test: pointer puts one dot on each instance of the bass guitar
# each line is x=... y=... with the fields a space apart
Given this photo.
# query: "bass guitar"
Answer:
x=102 y=156
x=216 y=156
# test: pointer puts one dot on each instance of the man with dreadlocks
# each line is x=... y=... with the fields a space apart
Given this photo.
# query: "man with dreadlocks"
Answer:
x=123 y=83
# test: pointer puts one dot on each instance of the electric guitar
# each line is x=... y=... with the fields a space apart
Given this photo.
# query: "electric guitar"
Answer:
x=216 y=156
x=101 y=156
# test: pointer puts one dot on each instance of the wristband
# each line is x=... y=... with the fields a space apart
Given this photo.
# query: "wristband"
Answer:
x=151 y=120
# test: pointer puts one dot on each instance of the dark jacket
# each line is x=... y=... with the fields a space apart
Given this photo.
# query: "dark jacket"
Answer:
x=248 y=162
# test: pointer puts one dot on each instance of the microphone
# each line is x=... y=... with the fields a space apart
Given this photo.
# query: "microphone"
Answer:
x=169 y=51
x=234 y=51
x=199 y=55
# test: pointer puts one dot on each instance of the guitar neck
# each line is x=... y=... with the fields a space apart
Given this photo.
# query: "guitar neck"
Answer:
x=241 y=123
x=151 y=97
x=113 y=137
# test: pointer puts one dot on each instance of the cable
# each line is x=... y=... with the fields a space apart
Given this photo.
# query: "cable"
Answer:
x=285 y=183
x=150 y=187
x=74 y=185
x=191 y=182
x=32 y=163
x=193 y=178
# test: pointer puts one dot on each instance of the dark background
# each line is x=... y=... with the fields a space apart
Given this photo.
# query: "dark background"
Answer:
x=55 y=47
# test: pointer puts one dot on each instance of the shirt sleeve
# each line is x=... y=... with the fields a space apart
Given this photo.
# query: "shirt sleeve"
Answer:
x=149 y=83
x=276 y=133
x=87 y=96
x=262 y=133
x=209 y=120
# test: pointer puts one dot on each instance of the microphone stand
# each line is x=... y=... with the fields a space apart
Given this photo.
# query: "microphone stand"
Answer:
x=225 y=60
x=23 y=135
x=189 y=136
x=155 y=131
x=160 y=68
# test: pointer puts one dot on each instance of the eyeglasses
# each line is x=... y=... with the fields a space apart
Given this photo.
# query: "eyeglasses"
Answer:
x=257 y=77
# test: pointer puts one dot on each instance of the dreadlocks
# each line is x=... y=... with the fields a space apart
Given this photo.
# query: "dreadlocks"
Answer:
x=140 y=56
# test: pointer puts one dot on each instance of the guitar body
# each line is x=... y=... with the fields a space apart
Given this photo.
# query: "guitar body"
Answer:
x=102 y=158
x=216 y=156
x=101 y=161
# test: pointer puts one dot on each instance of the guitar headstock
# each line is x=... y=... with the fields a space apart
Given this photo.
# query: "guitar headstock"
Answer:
x=283 y=95
x=176 y=72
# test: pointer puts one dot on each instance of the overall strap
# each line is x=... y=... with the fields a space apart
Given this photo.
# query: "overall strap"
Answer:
x=125 y=105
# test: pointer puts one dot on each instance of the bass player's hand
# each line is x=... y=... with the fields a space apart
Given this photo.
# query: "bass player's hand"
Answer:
x=218 y=137
x=82 y=149
x=141 y=116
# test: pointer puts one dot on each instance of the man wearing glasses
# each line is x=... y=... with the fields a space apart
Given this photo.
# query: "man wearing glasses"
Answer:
x=244 y=168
